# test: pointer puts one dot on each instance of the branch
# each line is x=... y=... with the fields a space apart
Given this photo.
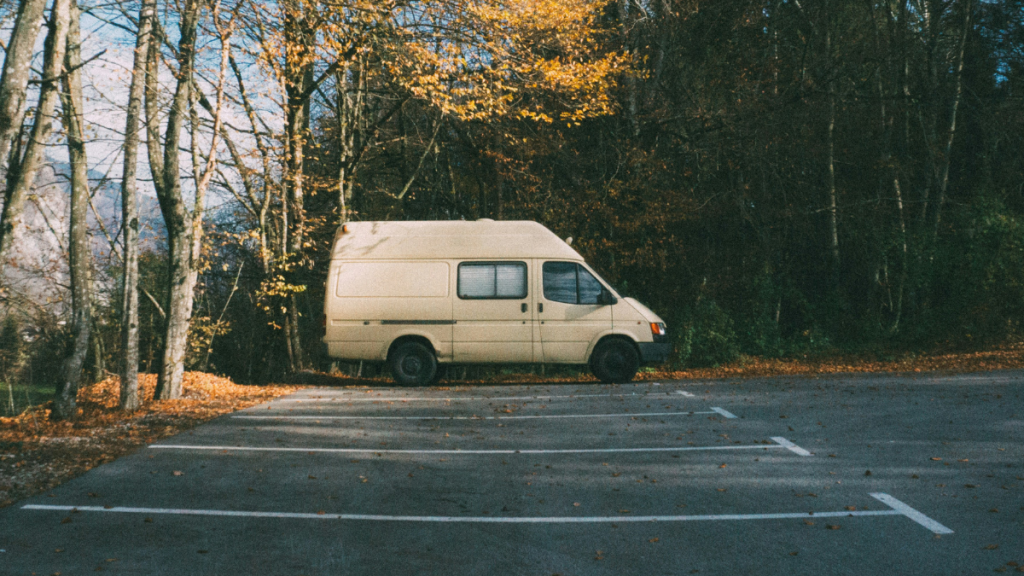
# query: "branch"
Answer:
x=68 y=71
x=440 y=122
x=163 y=315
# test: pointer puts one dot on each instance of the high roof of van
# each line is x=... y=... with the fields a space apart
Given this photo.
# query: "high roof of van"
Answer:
x=478 y=240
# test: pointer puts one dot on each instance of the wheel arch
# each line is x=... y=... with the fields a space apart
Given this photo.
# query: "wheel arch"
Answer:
x=419 y=338
x=613 y=336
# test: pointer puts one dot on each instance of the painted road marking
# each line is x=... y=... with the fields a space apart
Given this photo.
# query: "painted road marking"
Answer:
x=911 y=513
x=683 y=393
x=903 y=510
x=790 y=446
x=458 y=398
x=637 y=414
x=724 y=412
x=457 y=451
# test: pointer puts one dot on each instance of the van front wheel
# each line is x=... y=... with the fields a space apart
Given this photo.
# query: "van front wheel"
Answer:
x=614 y=361
x=412 y=364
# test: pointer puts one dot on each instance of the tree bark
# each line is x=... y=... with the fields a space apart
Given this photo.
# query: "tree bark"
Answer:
x=830 y=174
x=129 y=396
x=177 y=218
x=298 y=80
x=21 y=173
x=16 y=71
x=943 y=172
x=80 y=261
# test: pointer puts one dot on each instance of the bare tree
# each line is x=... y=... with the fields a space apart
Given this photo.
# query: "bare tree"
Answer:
x=130 y=215
x=23 y=167
x=14 y=82
x=165 y=166
x=79 y=260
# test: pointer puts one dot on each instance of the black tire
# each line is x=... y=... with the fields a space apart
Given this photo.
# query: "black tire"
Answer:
x=412 y=364
x=614 y=361
x=440 y=374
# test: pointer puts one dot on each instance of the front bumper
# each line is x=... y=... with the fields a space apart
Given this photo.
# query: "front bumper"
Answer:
x=654 y=352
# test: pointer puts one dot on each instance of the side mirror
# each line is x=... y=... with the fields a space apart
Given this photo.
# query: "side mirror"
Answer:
x=605 y=298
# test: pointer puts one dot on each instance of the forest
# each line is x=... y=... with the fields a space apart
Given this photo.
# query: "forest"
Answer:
x=775 y=178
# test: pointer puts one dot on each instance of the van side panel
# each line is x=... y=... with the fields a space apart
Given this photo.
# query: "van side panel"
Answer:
x=371 y=303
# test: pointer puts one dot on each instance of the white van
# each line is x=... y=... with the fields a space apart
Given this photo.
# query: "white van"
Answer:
x=422 y=294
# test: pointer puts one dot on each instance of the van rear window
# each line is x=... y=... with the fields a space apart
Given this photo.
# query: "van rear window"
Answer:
x=392 y=280
x=492 y=280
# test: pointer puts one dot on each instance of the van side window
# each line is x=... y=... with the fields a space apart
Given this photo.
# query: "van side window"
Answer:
x=570 y=283
x=492 y=280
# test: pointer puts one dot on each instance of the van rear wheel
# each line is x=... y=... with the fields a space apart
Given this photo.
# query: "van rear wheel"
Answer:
x=412 y=364
x=614 y=361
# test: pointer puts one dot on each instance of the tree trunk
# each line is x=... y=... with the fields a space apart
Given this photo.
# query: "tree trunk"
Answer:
x=79 y=250
x=14 y=81
x=130 y=216
x=830 y=174
x=298 y=79
x=943 y=171
x=21 y=173
x=177 y=219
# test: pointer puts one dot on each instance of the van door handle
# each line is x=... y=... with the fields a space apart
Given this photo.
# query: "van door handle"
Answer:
x=522 y=307
x=540 y=307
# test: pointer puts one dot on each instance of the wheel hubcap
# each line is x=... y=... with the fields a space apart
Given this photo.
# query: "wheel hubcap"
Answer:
x=411 y=365
x=615 y=362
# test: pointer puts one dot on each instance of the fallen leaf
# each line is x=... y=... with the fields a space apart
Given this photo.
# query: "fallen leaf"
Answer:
x=178 y=473
x=653 y=540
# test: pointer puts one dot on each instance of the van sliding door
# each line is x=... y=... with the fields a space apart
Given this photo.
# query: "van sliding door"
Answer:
x=493 y=313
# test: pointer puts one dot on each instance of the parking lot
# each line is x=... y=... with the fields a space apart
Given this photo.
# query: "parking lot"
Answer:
x=878 y=474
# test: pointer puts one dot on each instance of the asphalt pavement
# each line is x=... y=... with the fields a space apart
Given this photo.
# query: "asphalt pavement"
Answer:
x=875 y=474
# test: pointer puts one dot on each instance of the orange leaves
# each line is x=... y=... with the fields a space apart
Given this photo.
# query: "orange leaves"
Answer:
x=52 y=452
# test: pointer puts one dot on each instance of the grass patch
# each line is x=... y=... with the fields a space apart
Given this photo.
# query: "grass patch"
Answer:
x=16 y=397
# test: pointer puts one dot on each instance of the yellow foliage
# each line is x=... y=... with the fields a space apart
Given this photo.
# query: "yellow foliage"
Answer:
x=540 y=60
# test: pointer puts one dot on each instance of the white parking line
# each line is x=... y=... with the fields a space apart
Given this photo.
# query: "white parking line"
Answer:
x=624 y=414
x=456 y=451
x=724 y=412
x=903 y=510
x=911 y=513
x=340 y=400
x=790 y=446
